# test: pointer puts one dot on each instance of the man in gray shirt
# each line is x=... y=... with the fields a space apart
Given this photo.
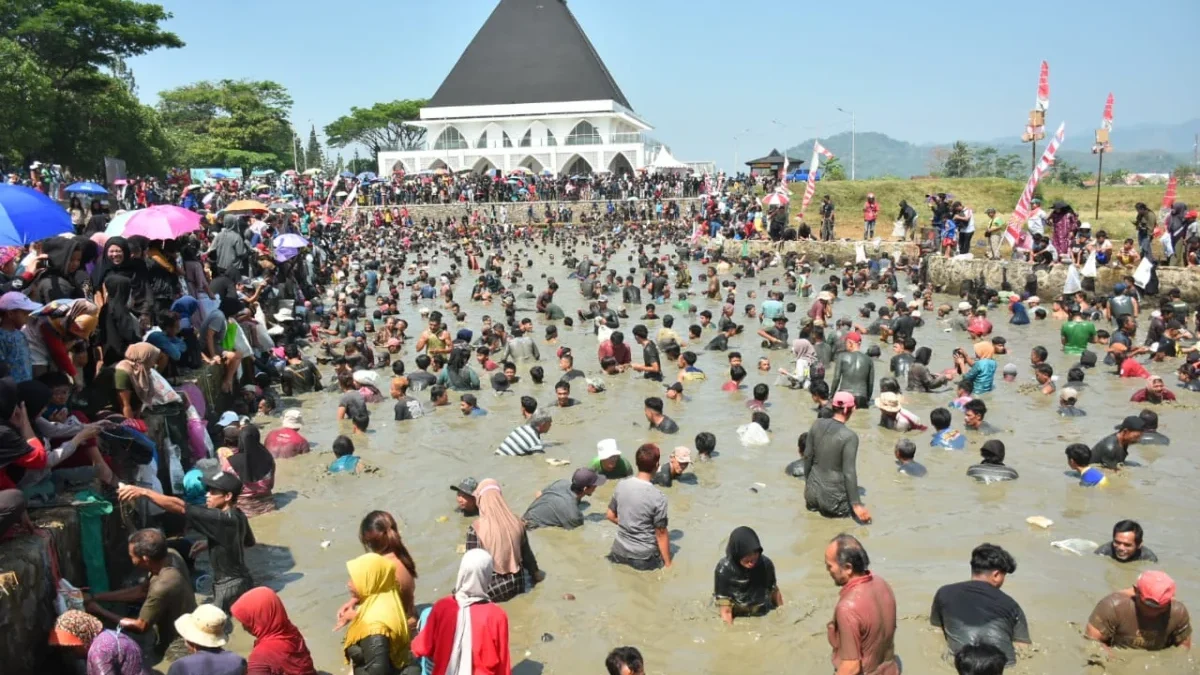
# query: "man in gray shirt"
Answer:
x=558 y=504
x=639 y=510
x=830 y=462
x=520 y=347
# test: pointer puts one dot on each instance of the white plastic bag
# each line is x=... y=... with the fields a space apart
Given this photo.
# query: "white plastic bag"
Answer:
x=898 y=229
x=1168 y=246
x=1076 y=546
x=1141 y=276
x=752 y=435
x=1074 y=282
x=860 y=253
x=1089 y=267
x=67 y=597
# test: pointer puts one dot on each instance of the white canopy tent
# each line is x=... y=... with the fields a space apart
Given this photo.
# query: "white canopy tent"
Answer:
x=665 y=162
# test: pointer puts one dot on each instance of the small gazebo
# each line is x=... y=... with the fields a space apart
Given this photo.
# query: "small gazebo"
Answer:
x=773 y=162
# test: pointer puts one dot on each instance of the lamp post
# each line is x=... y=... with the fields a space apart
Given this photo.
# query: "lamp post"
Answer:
x=852 y=144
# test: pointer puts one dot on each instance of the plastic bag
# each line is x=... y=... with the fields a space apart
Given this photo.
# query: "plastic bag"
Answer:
x=752 y=435
x=1089 y=267
x=1141 y=276
x=898 y=229
x=860 y=253
x=1167 y=244
x=68 y=597
x=1076 y=546
x=198 y=438
x=1074 y=282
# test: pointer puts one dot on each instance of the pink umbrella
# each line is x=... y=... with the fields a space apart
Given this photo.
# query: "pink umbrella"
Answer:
x=162 y=222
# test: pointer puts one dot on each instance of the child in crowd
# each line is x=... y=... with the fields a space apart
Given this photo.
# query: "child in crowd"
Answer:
x=906 y=452
x=1079 y=457
x=963 y=391
x=706 y=443
x=347 y=461
x=943 y=435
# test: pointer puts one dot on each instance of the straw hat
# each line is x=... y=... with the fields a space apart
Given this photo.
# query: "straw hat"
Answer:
x=204 y=627
x=888 y=402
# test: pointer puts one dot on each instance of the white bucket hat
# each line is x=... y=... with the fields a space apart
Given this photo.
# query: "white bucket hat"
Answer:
x=292 y=419
x=204 y=627
x=607 y=449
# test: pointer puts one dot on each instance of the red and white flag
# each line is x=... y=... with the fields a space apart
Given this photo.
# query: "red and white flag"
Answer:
x=1024 y=204
x=1106 y=123
x=783 y=173
x=811 y=187
x=1043 y=95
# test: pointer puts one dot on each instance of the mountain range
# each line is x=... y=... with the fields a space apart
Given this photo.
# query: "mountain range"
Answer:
x=1145 y=148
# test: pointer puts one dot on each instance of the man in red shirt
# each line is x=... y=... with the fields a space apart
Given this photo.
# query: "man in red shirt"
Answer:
x=616 y=348
x=1127 y=366
x=870 y=213
x=863 y=629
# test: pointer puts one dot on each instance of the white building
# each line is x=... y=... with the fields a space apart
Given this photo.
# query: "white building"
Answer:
x=529 y=91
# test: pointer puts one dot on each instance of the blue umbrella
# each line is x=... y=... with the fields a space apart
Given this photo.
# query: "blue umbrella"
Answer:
x=367 y=175
x=87 y=188
x=220 y=174
x=27 y=215
x=346 y=174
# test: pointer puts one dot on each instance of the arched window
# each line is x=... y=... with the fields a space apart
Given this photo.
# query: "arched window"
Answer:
x=584 y=134
x=450 y=139
x=483 y=140
x=507 y=141
x=550 y=139
x=527 y=139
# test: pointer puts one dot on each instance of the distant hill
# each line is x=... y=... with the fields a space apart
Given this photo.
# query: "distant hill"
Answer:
x=1137 y=149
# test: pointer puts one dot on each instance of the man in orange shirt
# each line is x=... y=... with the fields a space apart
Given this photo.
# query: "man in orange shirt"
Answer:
x=863 y=629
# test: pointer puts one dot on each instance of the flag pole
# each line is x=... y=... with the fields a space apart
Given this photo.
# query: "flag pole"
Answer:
x=1099 y=181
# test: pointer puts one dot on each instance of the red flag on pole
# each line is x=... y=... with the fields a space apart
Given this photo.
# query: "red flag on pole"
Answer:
x=1106 y=123
x=1169 y=197
x=1021 y=212
x=1043 y=93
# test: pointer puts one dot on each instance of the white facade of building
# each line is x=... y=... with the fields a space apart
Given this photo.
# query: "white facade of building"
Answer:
x=571 y=137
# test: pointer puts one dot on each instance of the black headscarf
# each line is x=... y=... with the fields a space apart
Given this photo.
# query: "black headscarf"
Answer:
x=12 y=442
x=742 y=542
x=118 y=327
x=252 y=462
x=105 y=266
x=56 y=283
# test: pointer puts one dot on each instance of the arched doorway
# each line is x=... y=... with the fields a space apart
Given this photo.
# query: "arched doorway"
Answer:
x=483 y=165
x=398 y=165
x=620 y=165
x=438 y=164
x=531 y=163
x=577 y=165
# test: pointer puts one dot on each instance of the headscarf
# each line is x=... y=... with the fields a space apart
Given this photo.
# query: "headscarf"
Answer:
x=803 y=349
x=35 y=395
x=58 y=252
x=78 y=625
x=380 y=611
x=742 y=542
x=62 y=314
x=139 y=361
x=475 y=573
x=104 y=266
x=499 y=530
x=278 y=644
x=984 y=349
x=12 y=442
x=1020 y=315
x=119 y=328
x=252 y=462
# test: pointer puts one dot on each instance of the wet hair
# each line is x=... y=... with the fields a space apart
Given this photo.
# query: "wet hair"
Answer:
x=423 y=361
x=906 y=448
x=761 y=391
x=1075 y=374
x=976 y=406
x=342 y=446
x=537 y=374
x=436 y=392
x=1129 y=526
x=629 y=657
x=820 y=389
x=1044 y=369
x=966 y=386
x=889 y=384
x=529 y=404
x=1079 y=453
x=655 y=403
x=850 y=551
x=706 y=442
x=668 y=321
x=940 y=418
x=737 y=373
x=379 y=533
x=1041 y=353
x=977 y=659
x=646 y=457
x=149 y=543
x=563 y=384
x=762 y=419
x=992 y=452
x=1149 y=419
x=361 y=422
x=992 y=558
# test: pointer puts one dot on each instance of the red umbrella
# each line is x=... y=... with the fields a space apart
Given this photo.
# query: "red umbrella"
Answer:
x=776 y=199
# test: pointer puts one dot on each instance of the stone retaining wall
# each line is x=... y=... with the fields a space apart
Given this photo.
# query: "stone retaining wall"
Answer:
x=950 y=273
x=517 y=211
x=842 y=251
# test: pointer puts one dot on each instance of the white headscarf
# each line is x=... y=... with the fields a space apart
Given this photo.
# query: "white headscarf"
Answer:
x=474 y=576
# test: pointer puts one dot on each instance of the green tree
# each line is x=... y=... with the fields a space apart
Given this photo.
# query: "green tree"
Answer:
x=832 y=169
x=983 y=162
x=1116 y=176
x=1186 y=173
x=123 y=73
x=1010 y=166
x=313 y=157
x=361 y=164
x=230 y=123
x=56 y=104
x=380 y=127
x=958 y=162
x=1067 y=173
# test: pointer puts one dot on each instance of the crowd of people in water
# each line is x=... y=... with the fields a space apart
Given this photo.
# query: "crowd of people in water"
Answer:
x=142 y=366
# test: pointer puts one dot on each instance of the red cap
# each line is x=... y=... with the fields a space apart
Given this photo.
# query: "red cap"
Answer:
x=853 y=336
x=1155 y=588
x=843 y=400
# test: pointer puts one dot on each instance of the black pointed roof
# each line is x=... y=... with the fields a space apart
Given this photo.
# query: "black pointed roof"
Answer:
x=528 y=51
x=775 y=158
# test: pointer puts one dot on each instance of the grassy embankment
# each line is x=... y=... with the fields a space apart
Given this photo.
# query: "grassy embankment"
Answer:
x=1116 y=201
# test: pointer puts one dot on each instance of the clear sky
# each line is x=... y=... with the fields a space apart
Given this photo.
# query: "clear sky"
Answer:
x=704 y=71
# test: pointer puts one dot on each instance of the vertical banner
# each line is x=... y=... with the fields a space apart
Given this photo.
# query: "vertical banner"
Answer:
x=811 y=187
x=1021 y=212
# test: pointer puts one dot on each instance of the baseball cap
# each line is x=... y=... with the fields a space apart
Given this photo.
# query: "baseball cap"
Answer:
x=466 y=486
x=223 y=482
x=682 y=454
x=843 y=400
x=228 y=417
x=1131 y=423
x=586 y=478
x=853 y=336
x=15 y=300
x=607 y=449
x=964 y=306
x=1069 y=394
x=1155 y=588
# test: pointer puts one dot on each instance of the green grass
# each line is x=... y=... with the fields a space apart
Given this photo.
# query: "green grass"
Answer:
x=1116 y=201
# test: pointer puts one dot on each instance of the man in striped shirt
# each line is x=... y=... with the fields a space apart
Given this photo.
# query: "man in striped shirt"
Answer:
x=527 y=438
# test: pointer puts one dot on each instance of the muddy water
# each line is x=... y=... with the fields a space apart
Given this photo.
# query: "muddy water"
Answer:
x=921 y=538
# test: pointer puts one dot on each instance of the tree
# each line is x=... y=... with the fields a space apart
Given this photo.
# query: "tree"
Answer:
x=361 y=164
x=231 y=123
x=1186 y=173
x=958 y=162
x=123 y=73
x=313 y=158
x=1010 y=166
x=983 y=162
x=56 y=104
x=1116 y=176
x=832 y=170
x=1066 y=173
x=380 y=127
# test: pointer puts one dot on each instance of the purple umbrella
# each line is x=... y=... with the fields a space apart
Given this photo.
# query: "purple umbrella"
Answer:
x=162 y=222
x=286 y=253
x=290 y=240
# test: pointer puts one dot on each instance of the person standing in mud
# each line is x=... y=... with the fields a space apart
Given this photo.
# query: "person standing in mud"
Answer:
x=830 y=462
x=854 y=371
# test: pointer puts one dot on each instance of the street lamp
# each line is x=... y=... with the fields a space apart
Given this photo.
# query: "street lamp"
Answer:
x=852 y=148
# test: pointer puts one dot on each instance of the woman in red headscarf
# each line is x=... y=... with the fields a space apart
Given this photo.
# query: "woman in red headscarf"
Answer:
x=279 y=648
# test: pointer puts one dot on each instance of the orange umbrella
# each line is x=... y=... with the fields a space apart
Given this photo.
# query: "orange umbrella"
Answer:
x=247 y=205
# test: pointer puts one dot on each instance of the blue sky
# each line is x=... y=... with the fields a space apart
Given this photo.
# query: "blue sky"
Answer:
x=704 y=71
